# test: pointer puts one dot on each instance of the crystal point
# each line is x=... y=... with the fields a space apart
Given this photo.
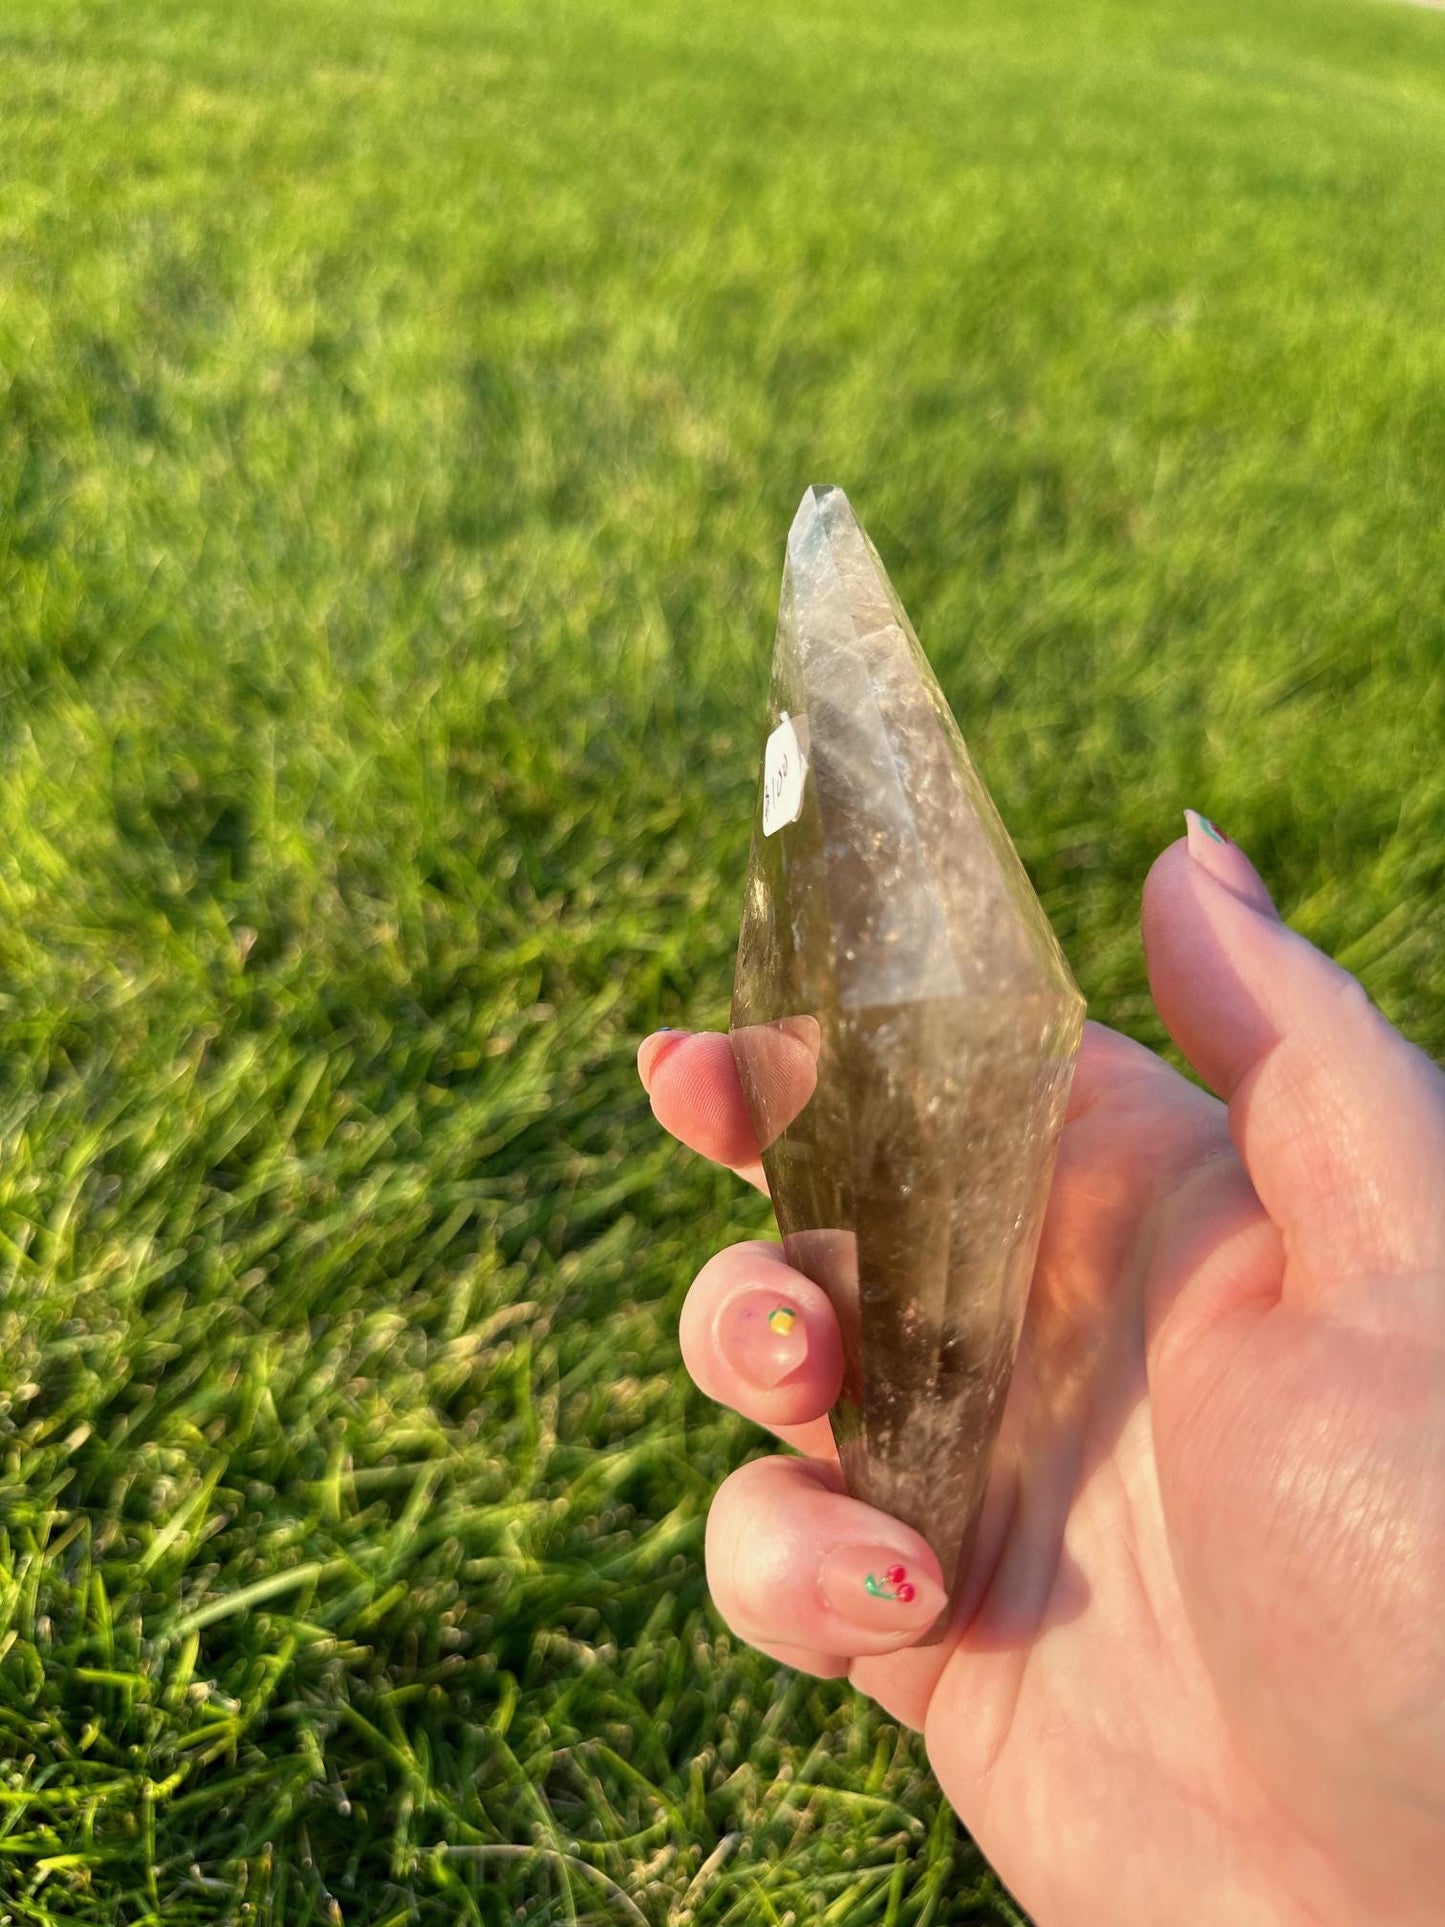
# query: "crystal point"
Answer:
x=905 y=1027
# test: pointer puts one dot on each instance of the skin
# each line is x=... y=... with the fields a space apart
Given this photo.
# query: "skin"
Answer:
x=1198 y=1670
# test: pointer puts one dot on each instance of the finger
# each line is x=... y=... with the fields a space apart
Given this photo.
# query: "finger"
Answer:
x=762 y=1338
x=714 y=1093
x=778 y=1070
x=1340 y=1122
x=691 y=1078
x=804 y=1659
x=792 y=1559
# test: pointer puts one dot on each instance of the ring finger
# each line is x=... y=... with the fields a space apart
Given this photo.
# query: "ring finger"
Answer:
x=793 y=1561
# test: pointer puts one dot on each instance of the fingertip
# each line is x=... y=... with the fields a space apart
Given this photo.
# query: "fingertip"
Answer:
x=651 y=1051
x=1207 y=948
x=804 y=1030
x=1166 y=873
x=1336 y=1117
x=792 y=1557
x=760 y=1337
x=1220 y=857
x=1203 y=853
x=691 y=1078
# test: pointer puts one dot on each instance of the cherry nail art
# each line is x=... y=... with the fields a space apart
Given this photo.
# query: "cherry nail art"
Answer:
x=878 y=1591
x=897 y=1578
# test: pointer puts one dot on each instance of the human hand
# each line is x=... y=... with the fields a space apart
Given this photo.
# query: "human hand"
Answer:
x=1197 y=1672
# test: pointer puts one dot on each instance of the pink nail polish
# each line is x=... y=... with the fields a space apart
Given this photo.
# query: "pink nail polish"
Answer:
x=882 y=1590
x=763 y=1336
x=652 y=1050
x=1222 y=859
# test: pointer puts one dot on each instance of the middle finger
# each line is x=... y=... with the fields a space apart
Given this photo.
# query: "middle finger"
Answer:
x=760 y=1337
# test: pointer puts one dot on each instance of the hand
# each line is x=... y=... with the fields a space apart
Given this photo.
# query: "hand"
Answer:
x=1197 y=1673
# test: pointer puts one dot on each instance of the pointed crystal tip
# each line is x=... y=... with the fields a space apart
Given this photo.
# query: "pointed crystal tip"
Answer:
x=820 y=502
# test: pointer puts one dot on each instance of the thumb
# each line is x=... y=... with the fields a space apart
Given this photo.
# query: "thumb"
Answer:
x=1339 y=1121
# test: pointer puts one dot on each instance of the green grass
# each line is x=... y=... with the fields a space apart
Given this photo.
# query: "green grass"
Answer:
x=402 y=403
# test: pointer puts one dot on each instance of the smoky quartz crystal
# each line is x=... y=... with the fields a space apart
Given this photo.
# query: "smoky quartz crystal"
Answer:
x=905 y=1027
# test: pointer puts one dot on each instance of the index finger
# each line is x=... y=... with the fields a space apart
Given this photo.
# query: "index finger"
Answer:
x=692 y=1079
x=693 y=1082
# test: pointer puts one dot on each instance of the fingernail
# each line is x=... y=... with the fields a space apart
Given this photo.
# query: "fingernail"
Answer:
x=880 y=1590
x=652 y=1050
x=764 y=1337
x=1213 y=851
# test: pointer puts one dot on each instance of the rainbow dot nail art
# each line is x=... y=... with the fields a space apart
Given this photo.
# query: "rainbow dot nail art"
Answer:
x=782 y=1319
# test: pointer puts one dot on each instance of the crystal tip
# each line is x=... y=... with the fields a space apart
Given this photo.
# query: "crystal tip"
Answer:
x=821 y=502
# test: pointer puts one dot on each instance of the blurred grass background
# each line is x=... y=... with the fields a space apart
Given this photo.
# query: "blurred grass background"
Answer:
x=402 y=404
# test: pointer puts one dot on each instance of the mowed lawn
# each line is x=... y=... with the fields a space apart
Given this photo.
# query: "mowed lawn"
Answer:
x=402 y=405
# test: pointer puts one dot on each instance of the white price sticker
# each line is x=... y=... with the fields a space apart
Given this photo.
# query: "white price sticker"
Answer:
x=785 y=769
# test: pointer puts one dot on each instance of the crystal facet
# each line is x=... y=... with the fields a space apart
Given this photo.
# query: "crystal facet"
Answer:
x=905 y=1027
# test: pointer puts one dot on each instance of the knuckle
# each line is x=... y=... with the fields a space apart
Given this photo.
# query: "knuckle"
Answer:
x=1351 y=1005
